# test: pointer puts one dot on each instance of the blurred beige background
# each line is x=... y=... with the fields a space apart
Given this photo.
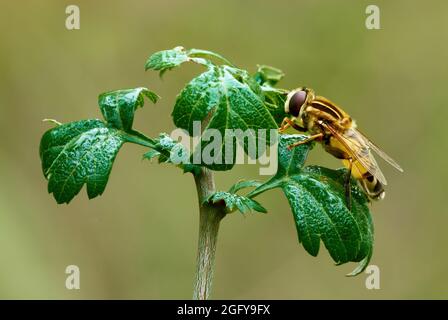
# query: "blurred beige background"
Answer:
x=139 y=239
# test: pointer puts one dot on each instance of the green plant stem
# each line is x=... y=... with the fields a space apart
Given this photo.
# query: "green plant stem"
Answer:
x=209 y=218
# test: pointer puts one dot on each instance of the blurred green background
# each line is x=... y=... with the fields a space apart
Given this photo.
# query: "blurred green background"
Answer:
x=139 y=239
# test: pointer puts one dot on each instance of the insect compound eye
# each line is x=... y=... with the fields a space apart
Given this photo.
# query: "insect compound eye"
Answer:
x=295 y=102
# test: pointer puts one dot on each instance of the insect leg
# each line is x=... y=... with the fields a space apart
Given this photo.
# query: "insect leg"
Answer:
x=348 y=189
x=286 y=123
x=309 y=139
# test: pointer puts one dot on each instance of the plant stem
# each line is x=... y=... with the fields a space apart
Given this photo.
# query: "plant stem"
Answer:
x=209 y=219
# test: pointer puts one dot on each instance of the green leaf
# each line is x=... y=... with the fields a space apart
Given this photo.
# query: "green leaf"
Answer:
x=79 y=153
x=83 y=152
x=274 y=98
x=222 y=98
x=268 y=75
x=118 y=107
x=168 y=59
x=54 y=140
x=234 y=202
x=317 y=199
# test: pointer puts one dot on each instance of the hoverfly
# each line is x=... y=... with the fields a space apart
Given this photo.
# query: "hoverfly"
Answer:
x=337 y=132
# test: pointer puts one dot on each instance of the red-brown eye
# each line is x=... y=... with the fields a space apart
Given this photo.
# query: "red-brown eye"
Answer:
x=295 y=102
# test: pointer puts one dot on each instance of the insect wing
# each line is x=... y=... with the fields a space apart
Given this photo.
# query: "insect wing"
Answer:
x=380 y=152
x=356 y=146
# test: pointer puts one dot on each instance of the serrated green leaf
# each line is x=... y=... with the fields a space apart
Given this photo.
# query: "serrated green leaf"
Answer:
x=224 y=99
x=221 y=98
x=317 y=199
x=168 y=59
x=268 y=75
x=83 y=152
x=274 y=98
x=118 y=107
x=79 y=153
x=55 y=139
x=234 y=201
